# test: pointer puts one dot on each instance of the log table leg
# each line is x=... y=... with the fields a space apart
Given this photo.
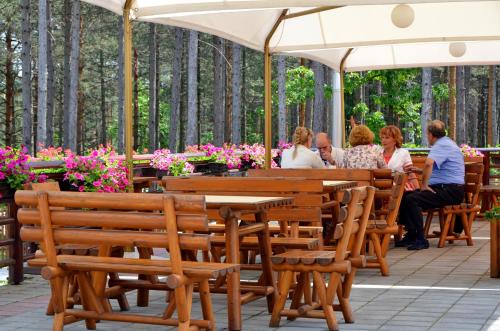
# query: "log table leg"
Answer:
x=233 y=278
x=265 y=255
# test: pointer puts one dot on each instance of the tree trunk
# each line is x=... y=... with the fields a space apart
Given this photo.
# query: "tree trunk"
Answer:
x=70 y=127
x=492 y=82
x=236 y=83
x=319 y=97
x=379 y=94
x=219 y=83
x=329 y=102
x=26 y=67
x=9 y=86
x=68 y=8
x=80 y=123
x=243 y=98
x=461 y=119
x=452 y=130
x=103 y=98
x=157 y=92
x=282 y=134
x=35 y=104
x=136 y=100
x=50 y=79
x=192 y=118
x=229 y=98
x=175 y=97
x=472 y=107
x=308 y=113
x=426 y=103
x=41 y=131
x=302 y=107
x=121 y=88
x=152 y=87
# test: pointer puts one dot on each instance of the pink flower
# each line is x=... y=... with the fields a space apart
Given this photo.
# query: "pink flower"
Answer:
x=97 y=183
x=81 y=188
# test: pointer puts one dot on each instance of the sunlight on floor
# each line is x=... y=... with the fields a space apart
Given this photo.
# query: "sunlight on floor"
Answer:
x=404 y=287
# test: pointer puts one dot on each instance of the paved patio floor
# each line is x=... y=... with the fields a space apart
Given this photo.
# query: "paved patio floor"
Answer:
x=434 y=289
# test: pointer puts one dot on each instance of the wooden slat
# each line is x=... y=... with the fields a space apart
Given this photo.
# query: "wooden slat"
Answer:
x=359 y=175
x=113 y=219
x=118 y=201
x=116 y=237
x=233 y=184
x=289 y=243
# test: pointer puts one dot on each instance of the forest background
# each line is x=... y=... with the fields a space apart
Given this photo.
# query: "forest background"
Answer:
x=194 y=88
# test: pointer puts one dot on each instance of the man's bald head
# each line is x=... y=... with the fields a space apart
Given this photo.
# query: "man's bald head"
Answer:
x=437 y=129
x=322 y=140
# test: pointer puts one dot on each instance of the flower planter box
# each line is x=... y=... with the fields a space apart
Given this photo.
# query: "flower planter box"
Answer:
x=217 y=168
x=473 y=159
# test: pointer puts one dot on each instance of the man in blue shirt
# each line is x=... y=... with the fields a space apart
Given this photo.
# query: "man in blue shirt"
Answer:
x=443 y=178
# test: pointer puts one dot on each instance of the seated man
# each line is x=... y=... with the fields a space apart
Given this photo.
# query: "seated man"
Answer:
x=443 y=180
x=331 y=156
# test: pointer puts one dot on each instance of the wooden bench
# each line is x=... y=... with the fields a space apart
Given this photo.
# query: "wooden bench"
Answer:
x=307 y=194
x=340 y=265
x=120 y=219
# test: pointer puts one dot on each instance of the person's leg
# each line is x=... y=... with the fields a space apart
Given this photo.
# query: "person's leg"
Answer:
x=415 y=204
x=404 y=219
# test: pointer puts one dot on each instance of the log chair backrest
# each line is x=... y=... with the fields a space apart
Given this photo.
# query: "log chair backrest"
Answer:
x=115 y=219
x=473 y=182
x=353 y=219
x=362 y=176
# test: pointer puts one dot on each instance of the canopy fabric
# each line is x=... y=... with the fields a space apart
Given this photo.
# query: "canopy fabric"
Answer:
x=396 y=56
x=364 y=25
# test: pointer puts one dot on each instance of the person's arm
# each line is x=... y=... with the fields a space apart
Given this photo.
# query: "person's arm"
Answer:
x=317 y=162
x=426 y=175
x=380 y=161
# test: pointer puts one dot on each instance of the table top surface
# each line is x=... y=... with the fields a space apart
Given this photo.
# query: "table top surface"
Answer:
x=246 y=202
x=337 y=185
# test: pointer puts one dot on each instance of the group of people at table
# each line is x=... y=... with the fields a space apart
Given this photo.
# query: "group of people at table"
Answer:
x=443 y=174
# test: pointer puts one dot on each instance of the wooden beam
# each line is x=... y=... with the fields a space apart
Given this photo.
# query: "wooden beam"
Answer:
x=342 y=110
x=127 y=71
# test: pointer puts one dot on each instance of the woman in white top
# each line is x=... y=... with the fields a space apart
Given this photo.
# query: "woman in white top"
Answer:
x=394 y=156
x=300 y=155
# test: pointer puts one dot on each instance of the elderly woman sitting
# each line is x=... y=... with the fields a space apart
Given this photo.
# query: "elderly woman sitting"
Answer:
x=363 y=154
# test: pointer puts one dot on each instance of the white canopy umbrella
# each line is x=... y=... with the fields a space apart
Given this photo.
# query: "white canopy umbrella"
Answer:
x=325 y=30
x=396 y=56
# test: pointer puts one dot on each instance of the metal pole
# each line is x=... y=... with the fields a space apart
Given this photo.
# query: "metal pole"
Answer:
x=127 y=45
x=342 y=109
x=267 y=92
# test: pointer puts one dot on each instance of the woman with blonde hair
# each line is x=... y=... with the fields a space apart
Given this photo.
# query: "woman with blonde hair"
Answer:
x=363 y=154
x=300 y=155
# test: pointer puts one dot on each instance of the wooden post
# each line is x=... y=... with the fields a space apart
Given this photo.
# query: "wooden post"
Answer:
x=342 y=109
x=127 y=48
x=452 y=127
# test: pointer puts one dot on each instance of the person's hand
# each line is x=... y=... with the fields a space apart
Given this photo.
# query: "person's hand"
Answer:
x=409 y=168
x=427 y=188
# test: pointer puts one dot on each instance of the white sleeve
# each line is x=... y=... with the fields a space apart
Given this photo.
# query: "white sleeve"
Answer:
x=316 y=162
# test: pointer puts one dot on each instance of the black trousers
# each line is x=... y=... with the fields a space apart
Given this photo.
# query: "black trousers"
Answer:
x=414 y=202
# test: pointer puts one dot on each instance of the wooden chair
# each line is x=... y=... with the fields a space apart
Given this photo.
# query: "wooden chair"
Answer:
x=380 y=230
x=465 y=212
x=340 y=265
x=118 y=219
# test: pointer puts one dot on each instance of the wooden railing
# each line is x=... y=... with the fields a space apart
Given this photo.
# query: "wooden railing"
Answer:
x=11 y=246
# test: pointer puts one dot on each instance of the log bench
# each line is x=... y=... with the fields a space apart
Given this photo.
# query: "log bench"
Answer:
x=120 y=219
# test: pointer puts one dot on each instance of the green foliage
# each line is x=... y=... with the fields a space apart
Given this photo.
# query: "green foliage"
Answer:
x=493 y=214
x=375 y=121
x=299 y=85
x=441 y=92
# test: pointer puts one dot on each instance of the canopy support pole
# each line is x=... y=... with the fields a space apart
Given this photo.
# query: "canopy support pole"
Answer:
x=342 y=109
x=127 y=71
x=268 y=138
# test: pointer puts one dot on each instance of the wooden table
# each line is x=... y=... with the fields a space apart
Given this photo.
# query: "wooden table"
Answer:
x=231 y=208
x=338 y=185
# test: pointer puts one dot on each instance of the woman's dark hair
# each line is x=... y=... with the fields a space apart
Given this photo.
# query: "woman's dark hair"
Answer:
x=436 y=128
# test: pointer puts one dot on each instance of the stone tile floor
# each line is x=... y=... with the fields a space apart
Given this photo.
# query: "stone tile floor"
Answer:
x=434 y=289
